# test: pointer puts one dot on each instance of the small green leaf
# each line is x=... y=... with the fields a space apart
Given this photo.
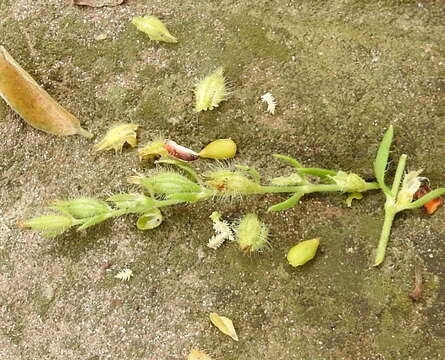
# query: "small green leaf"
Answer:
x=321 y=173
x=288 y=159
x=292 y=201
x=182 y=165
x=381 y=160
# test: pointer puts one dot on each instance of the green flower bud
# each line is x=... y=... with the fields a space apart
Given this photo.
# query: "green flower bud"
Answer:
x=82 y=208
x=304 y=251
x=293 y=179
x=167 y=183
x=349 y=182
x=51 y=225
x=251 y=233
x=150 y=220
x=231 y=183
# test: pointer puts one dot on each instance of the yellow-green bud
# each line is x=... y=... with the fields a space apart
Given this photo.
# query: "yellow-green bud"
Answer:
x=167 y=183
x=251 y=233
x=117 y=136
x=304 y=251
x=219 y=149
x=51 y=225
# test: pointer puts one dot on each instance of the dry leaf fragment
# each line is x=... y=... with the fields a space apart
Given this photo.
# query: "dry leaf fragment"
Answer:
x=98 y=3
x=225 y=325
x=198 y=355
x=22 y=93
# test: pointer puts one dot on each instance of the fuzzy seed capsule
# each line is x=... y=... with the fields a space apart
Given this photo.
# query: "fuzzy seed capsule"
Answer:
x=117 y=136
x=210 y=91
x=219 y=149
x=251 y=234
x=304 y=251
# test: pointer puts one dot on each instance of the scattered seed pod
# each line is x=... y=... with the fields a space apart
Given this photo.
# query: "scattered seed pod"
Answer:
x=251 y=233
x=225 y=325
x=117 y=136
x=219 y=149
x=180 y=152
x=22 y=93
x=304 y=251
x=154 y=28
x=210 y=91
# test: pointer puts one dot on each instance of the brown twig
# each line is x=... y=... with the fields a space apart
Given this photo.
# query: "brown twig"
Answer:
x=418 y=284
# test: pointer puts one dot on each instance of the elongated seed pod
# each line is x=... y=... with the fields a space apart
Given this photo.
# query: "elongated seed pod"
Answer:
x=32 y=103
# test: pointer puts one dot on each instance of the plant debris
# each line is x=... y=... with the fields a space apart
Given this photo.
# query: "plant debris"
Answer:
x=98 y=3
x=416 y=294
x=225 y=325
x=432 y=205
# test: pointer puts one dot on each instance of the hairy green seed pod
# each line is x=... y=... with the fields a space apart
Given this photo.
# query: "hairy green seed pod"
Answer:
x=304 y=251
x=82 y=208
x=251 y=233
x=231 y=183
x=210 y=91
x=51 y=225
x=150 y=220
x=134 y=203
x=219 y=149
x=154 y=28
x=167 y=183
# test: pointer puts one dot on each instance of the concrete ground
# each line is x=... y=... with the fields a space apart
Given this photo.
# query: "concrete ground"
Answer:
x=341 y=73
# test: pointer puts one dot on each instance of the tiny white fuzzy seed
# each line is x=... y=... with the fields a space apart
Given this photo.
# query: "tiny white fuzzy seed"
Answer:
x=124 y=275
x=270 y=101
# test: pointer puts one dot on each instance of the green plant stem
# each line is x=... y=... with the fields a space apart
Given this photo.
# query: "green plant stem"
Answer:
x=399 y=174
x=313 y=188
x=390 y=213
